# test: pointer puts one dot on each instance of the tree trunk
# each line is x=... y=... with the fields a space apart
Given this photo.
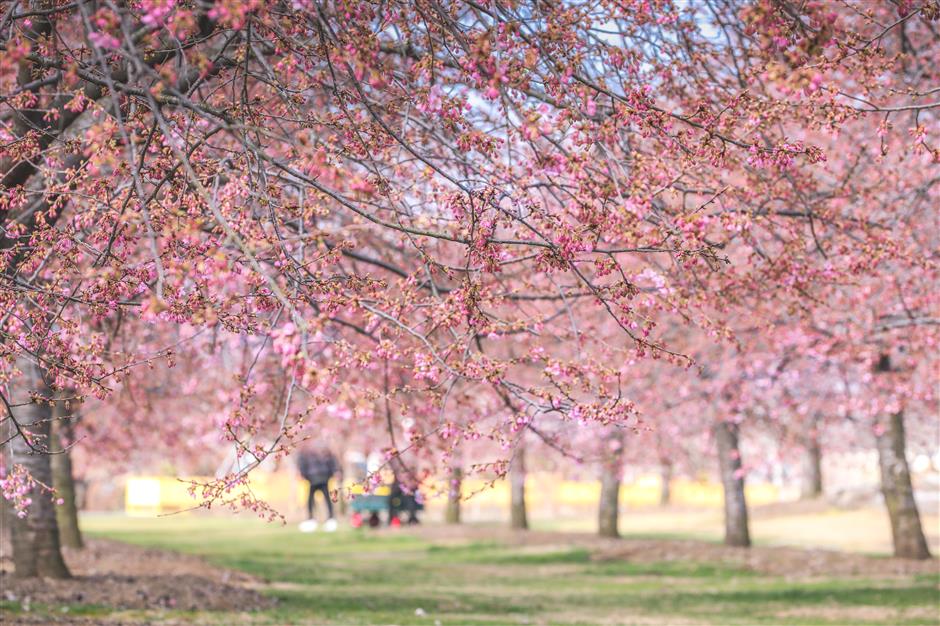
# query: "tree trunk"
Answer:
x=36 y=549
x=732 y=480
x=452 y=514
x=906 y=530
x=341 y=505
x=517 y=511
x=811 y=484
x=665 y=488
x=608 y=511
x=63 y=480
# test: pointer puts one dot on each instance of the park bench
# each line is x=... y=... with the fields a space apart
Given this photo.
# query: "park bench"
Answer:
x=381 y=500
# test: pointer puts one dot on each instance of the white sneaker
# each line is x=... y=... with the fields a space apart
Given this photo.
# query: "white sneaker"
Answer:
x=308 y=526
x=330 y=525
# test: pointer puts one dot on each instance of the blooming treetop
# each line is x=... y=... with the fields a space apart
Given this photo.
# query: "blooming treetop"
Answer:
x=467 y=215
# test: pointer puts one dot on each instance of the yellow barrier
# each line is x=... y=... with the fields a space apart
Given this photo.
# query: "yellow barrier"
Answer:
x=543 y=490
x=146 y=496
x=153 y=495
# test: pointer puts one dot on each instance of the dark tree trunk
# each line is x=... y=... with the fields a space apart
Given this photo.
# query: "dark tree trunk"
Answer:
x=811 y=483
x=36 y=549
x=452 y=513
x=7 y=517
x=737 y=532
x=906 y=530
x=70 y=535
x=608 y=511
x=665 y=492
x=518 y=519
x=22 y=541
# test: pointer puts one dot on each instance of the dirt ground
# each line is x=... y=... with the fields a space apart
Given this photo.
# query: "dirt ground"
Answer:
x=129 y=577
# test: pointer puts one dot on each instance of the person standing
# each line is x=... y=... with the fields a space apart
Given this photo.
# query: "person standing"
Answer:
x=317 y=465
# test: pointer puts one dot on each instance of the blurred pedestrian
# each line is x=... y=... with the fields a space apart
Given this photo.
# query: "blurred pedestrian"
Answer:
x=317 y=465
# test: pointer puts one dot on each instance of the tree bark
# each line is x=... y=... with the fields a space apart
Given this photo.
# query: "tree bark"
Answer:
x=36 y=550
x=518 y=519
x=811 y=483
x=608 y=511
x=70 y=535
x=737 y=532
x=906 y=530
x=452 y=514
x=665 y=489
x=341 y=504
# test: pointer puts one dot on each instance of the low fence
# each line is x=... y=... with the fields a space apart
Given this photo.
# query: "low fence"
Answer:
x=155 y=495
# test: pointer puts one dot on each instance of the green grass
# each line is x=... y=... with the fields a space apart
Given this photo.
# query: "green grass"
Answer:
x=359 y=577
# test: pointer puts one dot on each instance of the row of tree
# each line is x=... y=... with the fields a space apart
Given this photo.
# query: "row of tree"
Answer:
x=442 y=226
x=897 y=489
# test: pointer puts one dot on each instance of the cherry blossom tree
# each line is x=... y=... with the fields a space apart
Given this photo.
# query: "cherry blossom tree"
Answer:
x=428 y=201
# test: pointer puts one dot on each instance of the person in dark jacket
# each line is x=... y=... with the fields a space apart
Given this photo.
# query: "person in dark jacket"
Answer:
x=318 y=466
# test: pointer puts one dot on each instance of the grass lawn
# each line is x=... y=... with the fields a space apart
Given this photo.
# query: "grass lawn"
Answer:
x=361 y=577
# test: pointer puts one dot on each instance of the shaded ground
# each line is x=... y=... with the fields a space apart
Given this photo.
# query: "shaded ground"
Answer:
x=123 y=576
x=488 y=575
